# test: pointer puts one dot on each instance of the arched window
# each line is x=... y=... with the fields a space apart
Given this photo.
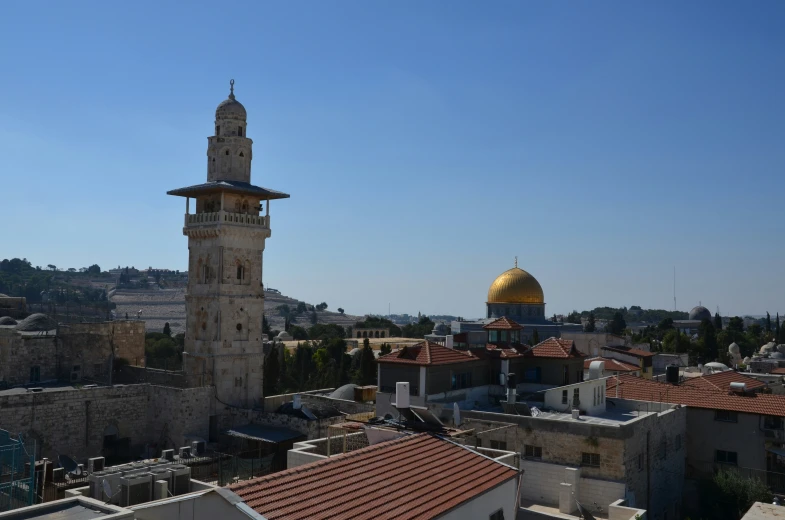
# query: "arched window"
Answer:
x=240 y=274
x=227 y=152
x=242 y=154
x=244 y=207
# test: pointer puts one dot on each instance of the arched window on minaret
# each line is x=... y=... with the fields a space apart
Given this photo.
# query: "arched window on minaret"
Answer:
x=244 y=207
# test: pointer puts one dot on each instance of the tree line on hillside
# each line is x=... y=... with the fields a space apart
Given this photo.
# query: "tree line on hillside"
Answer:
x=19 y=278
x=632 y=314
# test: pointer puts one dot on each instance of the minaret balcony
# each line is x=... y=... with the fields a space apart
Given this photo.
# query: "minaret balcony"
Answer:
x=225 y=217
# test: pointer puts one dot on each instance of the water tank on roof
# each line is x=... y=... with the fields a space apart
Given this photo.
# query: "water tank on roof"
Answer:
x=596 y=369
x=672 y=374
x=738 y=387
x=402 y=394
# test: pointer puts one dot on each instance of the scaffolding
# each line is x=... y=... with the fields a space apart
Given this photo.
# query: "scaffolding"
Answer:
x=17 y=472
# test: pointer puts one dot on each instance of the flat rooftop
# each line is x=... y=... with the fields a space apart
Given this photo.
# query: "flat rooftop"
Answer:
x=74 y=509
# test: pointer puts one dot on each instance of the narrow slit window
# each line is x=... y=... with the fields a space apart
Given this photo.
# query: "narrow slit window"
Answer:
x=240 y=131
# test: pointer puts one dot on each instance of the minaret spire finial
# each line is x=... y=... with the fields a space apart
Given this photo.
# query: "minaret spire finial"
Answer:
x=231 y=89
x=516 y=261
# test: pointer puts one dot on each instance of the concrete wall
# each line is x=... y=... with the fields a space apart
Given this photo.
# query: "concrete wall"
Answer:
x=591 y=397
x=502 y=497
x=207 y=506
x=705 y=436
x=541 y=484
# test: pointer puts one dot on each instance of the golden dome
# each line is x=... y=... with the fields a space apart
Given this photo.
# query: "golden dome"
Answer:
x=515 y=286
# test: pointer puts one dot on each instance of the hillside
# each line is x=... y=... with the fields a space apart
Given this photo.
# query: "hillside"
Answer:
x=159 y=306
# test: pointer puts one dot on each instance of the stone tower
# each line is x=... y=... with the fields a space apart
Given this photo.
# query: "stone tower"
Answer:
x=226 y=234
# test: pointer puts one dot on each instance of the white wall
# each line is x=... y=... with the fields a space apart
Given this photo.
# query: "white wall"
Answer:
x=208 y=506
x=590 y=393
x=542 y=481
x=483 y=506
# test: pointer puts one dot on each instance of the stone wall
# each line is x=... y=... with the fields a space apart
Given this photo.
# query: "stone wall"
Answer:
x=19 y=353
x=73 y=421
x=175 y=415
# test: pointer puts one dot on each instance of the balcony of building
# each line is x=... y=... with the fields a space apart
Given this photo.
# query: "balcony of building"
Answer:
x=226 y=217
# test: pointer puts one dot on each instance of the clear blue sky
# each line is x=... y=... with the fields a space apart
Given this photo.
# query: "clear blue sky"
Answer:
x=425 y=144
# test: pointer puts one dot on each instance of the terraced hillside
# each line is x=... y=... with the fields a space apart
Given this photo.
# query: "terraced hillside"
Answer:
x=168 y=305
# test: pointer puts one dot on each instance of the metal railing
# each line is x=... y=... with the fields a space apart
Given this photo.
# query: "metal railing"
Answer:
x=197 y=219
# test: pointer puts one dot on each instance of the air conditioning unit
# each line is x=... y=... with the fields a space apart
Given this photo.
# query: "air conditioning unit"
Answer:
x=95 y=481
x=198 y=448
x=95 y=464
x=168 y=455
x=185 y=452
x=136 y=489
x=163 y=474
x=181 y=476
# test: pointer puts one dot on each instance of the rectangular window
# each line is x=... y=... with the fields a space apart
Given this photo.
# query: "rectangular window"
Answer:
x=726 y=457
x=532 y=452
x=726 y=416
x=579 y=376
x=35 y=374
x=564 y=397
x=463 y=380
x=498 y=445
x=498 y=515
x=493 y=336
x=772 y=423
x=576 y=396
x=590 y=459
x=532 y=375
x=240 y=131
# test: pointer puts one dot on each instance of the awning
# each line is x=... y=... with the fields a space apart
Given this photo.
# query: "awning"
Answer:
x=264 y=433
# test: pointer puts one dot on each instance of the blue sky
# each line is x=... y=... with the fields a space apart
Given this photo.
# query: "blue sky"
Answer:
x=425 y=144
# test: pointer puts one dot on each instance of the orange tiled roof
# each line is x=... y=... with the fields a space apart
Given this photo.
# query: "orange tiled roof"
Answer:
x=503 y=323
x=414 y=477
x=613 y=365
x=778 y=371
x=426 y=353
x=631 y=387
x=555 y=348
x=495 y=351
x=721 y=381
x=631 y=351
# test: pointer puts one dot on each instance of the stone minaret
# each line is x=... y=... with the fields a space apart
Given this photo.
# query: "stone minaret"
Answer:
x=226 y=236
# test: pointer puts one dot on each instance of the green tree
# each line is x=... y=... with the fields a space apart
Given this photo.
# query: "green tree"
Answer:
x=777 y=330
x=708 y=338
x=617 y=324
x=301 y=308
x=768 y=322
x=418 y=330
x=675 y=342
x=736 y=324
x=717 y=322
x=535 y=337
x=314 y=318
x=340 y=310
x=573 y=317
x=729 y=495
x=94 y=269
x=284 y=310
x=322 y=306
x=324 y=331
x=591 y=324
x=272 y=373
x=366 y=374
x=298 y=332
x=665 y=324
x=167 y=329
x=385 y=349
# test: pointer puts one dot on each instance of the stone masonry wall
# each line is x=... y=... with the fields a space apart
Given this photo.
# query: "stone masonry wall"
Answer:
x=175 y=415
x=19 y=353
x=73 y=421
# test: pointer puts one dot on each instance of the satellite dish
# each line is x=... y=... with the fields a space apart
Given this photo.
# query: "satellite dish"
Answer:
x=456 y=414
x=584 y=512
x=535 y=411
x=107 y=488
x=69 y=465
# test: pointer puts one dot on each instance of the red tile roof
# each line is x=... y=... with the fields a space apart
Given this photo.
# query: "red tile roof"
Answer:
x=778 y=371
x=495 y=351
x=721 y=381
x=555 y=348
x=631 y=387
x=426 y=354
x=503 y=323
x=414 y=477
x=612 y=365
x=631 y=351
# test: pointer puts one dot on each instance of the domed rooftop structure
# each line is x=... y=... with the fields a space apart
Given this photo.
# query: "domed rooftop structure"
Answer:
x=516 y=286
x=700 y=313
x=734 y=348
x=230 y=108
x=345 y=392
x=7 y=320
x=36 y=323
